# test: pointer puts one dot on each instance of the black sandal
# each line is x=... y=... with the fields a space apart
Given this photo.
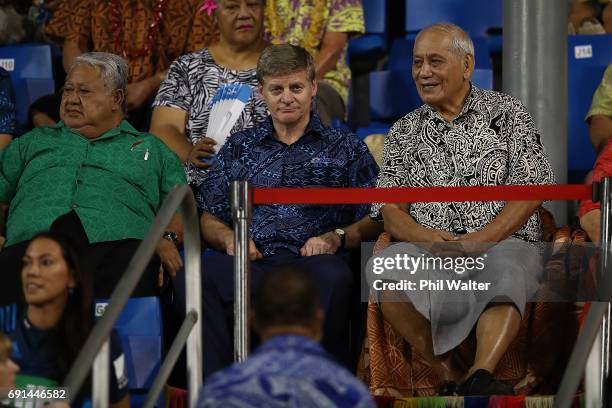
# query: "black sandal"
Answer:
x=482 y=382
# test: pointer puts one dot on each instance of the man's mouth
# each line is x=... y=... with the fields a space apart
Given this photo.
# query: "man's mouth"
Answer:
x=428 y=87
x=245 y=27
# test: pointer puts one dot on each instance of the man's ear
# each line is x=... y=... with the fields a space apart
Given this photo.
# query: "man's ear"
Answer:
x=119 y=97
x=468 y=66
x=314 y=88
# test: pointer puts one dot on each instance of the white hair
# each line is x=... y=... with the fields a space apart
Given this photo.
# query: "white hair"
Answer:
x=461 y=43
x=113 y=68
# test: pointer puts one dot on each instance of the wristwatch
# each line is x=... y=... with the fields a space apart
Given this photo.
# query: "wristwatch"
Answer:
x=342 y=234
x=172 y=237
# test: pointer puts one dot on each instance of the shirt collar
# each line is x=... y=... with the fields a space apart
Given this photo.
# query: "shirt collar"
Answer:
x=315 y=127
x=470 y=103
x=124 y=127
x=291 y=341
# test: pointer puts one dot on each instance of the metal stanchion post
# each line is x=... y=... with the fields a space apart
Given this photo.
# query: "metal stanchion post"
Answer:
x=241 y=199
x=597 y=370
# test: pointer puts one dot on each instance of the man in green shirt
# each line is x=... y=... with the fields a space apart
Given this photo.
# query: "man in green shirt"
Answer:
x=93 y=177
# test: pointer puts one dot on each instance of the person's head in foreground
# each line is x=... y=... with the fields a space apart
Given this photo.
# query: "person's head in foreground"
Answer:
x=8 y=369
x=289 y=368
x=94 y=97
x=442 y=63
x=58 y=294
x=287 y=302
x=286 y=76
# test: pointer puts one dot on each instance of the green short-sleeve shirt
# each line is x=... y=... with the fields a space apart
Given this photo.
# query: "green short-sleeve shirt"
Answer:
x=115 y=183
x=602 y=98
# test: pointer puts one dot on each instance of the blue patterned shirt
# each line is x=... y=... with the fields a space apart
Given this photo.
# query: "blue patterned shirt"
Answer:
x=7 y=104
x=285 y=371
x=322 y=157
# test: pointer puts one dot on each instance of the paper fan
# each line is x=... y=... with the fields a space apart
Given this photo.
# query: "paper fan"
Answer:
x=227 y=105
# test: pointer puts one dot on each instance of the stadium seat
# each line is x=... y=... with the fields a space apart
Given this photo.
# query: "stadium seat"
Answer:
x=30 y=68
x=477 y=17
x=588 y=57
x=480 y=18
x=140 y=329
x=400 y=56
x=374 y=40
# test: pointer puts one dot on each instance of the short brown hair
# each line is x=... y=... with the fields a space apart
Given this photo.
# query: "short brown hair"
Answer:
x=283 y=59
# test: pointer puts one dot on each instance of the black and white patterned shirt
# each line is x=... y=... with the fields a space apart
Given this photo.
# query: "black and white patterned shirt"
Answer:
x=193 y=80
x=493 y=141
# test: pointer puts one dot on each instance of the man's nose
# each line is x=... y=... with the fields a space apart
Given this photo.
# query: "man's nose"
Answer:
x=71 y=97
x=286 y=96
x=425 y=70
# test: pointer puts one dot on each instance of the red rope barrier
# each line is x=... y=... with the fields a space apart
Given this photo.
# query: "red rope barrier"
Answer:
x=420 y=194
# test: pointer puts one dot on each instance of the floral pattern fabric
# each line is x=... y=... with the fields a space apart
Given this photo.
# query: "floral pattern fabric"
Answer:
x=304 y=23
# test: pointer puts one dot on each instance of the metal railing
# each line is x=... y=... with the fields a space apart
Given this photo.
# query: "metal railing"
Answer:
x=241 y=200
x=591 y=353
x=180 y=197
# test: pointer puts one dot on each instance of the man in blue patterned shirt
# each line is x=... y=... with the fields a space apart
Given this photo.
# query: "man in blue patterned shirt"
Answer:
x=290 y=369
x=292 y=149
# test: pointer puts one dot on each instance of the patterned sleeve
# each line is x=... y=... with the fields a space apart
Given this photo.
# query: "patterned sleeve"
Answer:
x=7 y=104
x=393 y=172
x=602 y=99
x=174 y=92
x=346 y=16
x=213 y=193
x=528 y=163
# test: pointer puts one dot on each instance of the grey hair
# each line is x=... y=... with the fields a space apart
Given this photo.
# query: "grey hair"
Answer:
x=283 y=59
x=461 y=43
x=114 y=69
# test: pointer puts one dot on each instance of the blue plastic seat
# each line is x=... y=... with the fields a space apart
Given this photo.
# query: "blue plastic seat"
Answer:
x=588 y=57
x=30 y=68
x=140 y=330
x=477 y=17
x=480 y=18
x=374 y=40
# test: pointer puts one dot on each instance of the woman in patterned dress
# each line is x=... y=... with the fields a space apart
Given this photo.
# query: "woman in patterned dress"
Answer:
x=182 y=106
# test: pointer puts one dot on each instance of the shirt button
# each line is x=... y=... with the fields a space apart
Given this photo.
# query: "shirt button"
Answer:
x=74 y=206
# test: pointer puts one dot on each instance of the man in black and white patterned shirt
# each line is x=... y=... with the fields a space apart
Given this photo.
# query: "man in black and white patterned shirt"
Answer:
x=463 y=136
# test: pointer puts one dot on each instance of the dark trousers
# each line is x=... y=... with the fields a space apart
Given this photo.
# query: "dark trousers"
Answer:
x=107 y=262
x=331 y=273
